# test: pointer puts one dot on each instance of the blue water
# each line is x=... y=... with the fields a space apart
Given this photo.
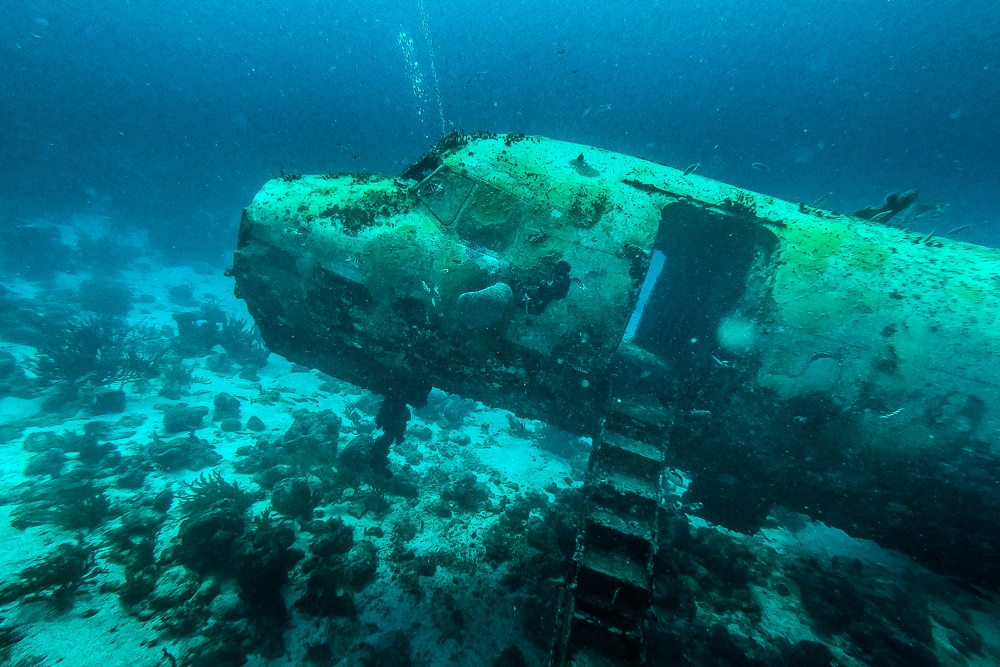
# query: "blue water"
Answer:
x=170 y=114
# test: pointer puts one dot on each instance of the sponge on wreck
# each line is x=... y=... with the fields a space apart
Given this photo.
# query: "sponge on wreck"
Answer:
x=482 y=309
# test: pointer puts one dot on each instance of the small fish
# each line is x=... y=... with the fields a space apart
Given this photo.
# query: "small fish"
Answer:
x=929 y=236
x=821 y=200
x=431 y=289
x=759 y=166
x=928 y=210
x=430 y=188
x=883 y=216
x=691 y=167
x=518 y=428
x=957 y=230
x=356 y=260
x=577 y=282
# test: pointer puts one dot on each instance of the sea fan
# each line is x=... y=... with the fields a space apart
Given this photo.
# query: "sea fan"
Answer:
x=208 y=491
x=100 y=350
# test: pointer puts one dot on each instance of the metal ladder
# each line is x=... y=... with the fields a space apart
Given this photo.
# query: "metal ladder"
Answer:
x=603 y=609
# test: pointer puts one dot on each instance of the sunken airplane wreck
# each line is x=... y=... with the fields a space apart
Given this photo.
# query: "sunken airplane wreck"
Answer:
x=777 y=353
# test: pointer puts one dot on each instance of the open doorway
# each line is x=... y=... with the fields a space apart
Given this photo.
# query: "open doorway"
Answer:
x=702 y=260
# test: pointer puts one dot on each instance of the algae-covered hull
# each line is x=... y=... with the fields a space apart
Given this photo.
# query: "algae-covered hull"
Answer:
x=788 y=355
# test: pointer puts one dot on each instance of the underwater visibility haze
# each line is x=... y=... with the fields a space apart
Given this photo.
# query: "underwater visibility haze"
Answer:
x=525 y=333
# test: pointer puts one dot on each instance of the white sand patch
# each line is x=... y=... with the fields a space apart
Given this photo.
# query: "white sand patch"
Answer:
x=14 y=410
